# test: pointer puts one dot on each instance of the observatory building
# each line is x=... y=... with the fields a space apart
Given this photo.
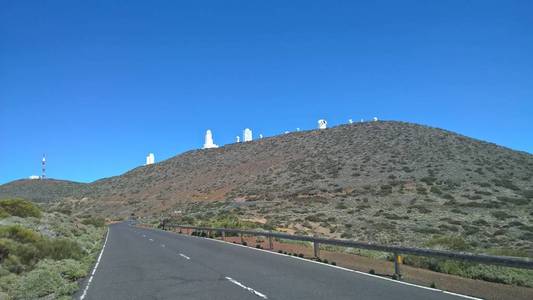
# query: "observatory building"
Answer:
x=150 y=159
x=247 y=135
x=322 y=124
x=208 y=143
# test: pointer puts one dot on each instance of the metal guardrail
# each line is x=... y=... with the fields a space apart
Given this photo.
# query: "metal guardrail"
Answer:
x=514 y=262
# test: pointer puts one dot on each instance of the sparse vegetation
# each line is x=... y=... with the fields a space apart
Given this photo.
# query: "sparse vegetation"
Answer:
x=36 y=263
x=19 y=208
x=311 y=184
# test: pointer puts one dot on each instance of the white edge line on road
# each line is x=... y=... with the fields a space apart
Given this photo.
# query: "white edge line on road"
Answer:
x=336 y=267
x=184 y=256
x=95 y=267
x=246 y=288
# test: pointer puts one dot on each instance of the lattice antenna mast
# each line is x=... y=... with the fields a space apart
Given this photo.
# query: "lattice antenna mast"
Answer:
x=43 y=168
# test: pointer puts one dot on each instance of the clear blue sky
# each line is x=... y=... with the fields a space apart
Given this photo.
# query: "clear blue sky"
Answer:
x=97 y=85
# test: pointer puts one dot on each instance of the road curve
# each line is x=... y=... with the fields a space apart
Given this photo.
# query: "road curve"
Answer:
x=152 y=264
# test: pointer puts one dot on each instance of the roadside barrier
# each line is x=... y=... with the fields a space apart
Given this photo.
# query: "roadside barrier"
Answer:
x=397 y=251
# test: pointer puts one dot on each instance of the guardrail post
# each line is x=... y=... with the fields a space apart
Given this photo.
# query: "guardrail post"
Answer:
x=270 y=243
x=316 y=249
x=397 y=262
x=223 y=235
x=242 y=240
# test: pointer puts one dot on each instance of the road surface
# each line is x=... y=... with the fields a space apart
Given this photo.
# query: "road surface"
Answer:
x=152 y=264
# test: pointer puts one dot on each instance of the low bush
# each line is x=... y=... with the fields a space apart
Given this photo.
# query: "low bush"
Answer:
x=19 y=234
x=527 y=194
x=47 y=278
x=501 y=215
x=506 y=184
x=454 y=242
x=341 y=206
x=475 y=271
x=94 y=221
x=23 y=248
x=60 y=248
x=20 y=208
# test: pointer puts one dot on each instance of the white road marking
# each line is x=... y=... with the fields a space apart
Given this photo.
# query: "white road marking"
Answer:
x=95 y=266
x=344 y=269
x=247 y=288
x=151 y=240
x=144 y=235
x=332 y=266
x=163 y=245
x=184 y=256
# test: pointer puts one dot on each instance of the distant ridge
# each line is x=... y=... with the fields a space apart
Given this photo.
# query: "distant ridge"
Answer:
x=38 y=190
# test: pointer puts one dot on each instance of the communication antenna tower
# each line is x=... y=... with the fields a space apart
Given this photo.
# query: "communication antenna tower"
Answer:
x=43 y=169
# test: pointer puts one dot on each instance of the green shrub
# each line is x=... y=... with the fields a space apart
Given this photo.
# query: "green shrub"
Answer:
x=527 y=194
x=501 y=215
x=42 y=282
x=29 y=247
x=19 y=234
x=428 y=180
x=448 y=197
x=20 y=208
x=61 y=249
x=94 y=221
x=341 y=206
x=515 y=201
x=435 y=190
x=475 y=271
x=506 y=184
x=453 y=242
x=13 y=264
x=3 y=213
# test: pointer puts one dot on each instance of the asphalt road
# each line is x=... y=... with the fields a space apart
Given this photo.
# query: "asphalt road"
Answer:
x=152 y=264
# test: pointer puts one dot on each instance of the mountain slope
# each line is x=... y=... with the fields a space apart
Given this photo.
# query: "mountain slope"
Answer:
x=356 y=180
x=48 y=190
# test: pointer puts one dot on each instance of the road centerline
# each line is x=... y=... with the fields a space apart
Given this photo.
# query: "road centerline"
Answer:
x=184 y=256
x=246 y=288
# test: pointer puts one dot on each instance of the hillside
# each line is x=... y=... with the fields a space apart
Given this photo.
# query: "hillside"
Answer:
x=388 y=182
x=48 y=190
